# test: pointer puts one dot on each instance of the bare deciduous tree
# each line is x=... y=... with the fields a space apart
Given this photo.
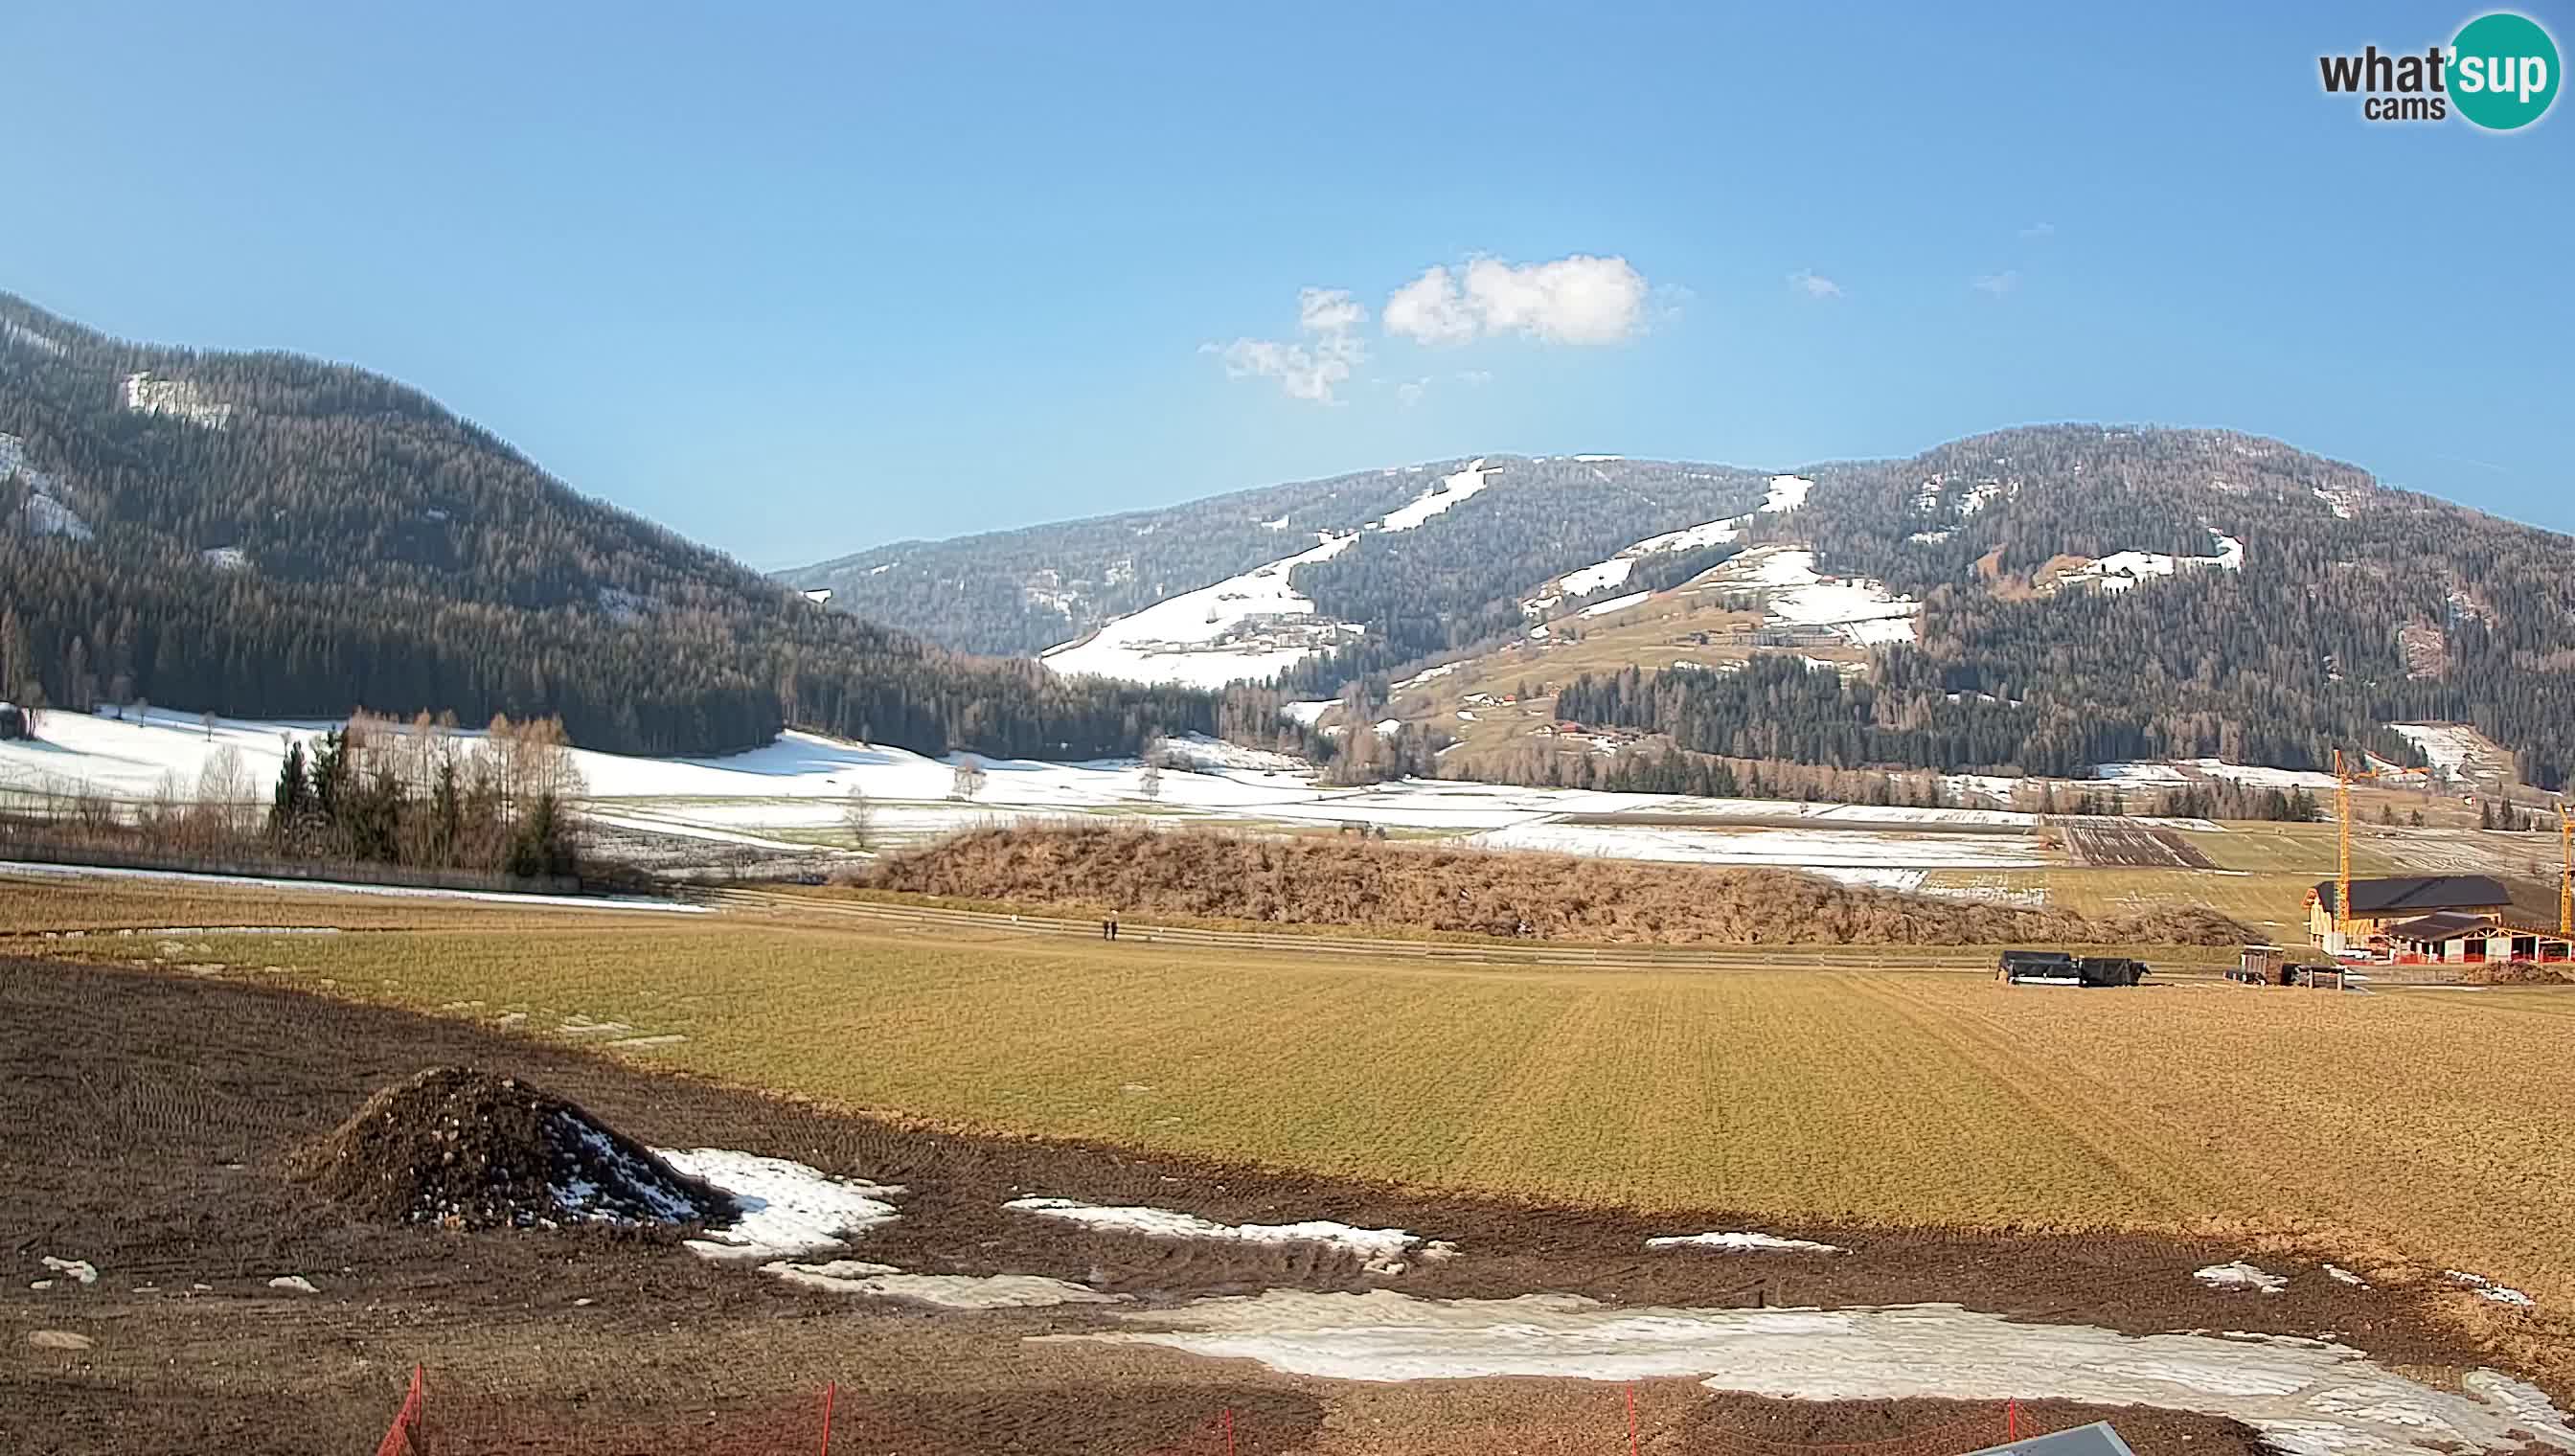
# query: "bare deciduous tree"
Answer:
x=967 y=782
x=859 y=816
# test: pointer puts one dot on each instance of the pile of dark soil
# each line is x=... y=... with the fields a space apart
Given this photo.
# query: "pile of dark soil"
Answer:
x=465 y=1149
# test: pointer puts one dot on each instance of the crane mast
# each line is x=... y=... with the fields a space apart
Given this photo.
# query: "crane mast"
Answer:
x=2566 y=876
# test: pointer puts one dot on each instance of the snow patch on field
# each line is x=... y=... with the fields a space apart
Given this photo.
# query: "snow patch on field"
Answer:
x=2449 y=747
x=1901 y=882
x=787 y=1208
x=1600 y=578
x=949 y=1291
x=2183 y=776
x=1305 y=713
x=2486 y=1288
x=2261 y=777
x=1429 y=674
x=1860 y=612
x=1615 y=603
x=2120 y=570
x=79 y=1271
x=2308 y=1397
x=1825 y=850
x=2241 y=1275
x=1745 y=1243
x=1379 y=1250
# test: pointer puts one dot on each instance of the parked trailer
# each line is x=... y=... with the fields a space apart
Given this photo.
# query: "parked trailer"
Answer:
x=2269 y=965
x=2059 y=969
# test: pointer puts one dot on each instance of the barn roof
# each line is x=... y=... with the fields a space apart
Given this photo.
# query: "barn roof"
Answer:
x=2401 y=893
x=2445 y=926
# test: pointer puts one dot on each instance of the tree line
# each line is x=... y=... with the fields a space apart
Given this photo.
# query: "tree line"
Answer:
x=342 y=539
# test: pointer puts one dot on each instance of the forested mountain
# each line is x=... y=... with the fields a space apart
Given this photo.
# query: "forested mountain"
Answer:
x=1021 y=591
x=2086 y=593
x=2339 y=607
x=272 y=536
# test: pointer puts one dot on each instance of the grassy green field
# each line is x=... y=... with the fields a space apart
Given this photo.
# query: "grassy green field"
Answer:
x=1794 y=1092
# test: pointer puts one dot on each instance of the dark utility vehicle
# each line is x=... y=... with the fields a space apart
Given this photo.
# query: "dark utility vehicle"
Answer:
x=2057 y=968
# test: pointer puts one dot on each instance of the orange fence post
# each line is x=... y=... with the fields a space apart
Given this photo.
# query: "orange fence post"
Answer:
x=1227 y=1416
x=1631 y=1420
x=402 y=1438
x=2011 y=1420
x=830 y=1390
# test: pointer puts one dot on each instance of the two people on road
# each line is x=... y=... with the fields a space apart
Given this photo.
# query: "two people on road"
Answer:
x=1109 y=929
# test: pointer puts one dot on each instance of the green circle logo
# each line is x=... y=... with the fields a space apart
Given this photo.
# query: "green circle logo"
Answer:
x=2503 y=71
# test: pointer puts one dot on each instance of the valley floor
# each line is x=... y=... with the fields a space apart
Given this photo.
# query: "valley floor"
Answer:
x=786 y=808
x=162 y=1182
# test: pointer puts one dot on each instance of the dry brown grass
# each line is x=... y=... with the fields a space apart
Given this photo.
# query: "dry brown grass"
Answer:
x=1143 y=872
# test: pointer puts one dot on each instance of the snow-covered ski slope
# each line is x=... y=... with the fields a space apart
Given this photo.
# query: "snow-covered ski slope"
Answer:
x=1246 y=628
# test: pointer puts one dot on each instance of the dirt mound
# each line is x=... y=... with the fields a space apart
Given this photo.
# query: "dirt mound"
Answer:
x=2516 y=974
x=1205 y=875
x=465 y=1149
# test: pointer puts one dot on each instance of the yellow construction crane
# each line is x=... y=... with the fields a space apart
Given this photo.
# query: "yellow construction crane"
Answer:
x=2343 y=778
x=2566 y=876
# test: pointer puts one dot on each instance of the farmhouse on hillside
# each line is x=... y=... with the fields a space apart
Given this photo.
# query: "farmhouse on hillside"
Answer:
x=13 y=722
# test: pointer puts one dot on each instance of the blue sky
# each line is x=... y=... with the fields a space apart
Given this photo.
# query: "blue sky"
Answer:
x=796 y=280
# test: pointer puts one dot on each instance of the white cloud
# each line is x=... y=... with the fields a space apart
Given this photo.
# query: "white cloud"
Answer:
x=1576 y=300
x=1409 y=393
x=1311 y=370
x=2039 y=230
x=1429 y=311
x=1329 y=311
x=1996 y=284
x=1814 y=284
x=1475 y=378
